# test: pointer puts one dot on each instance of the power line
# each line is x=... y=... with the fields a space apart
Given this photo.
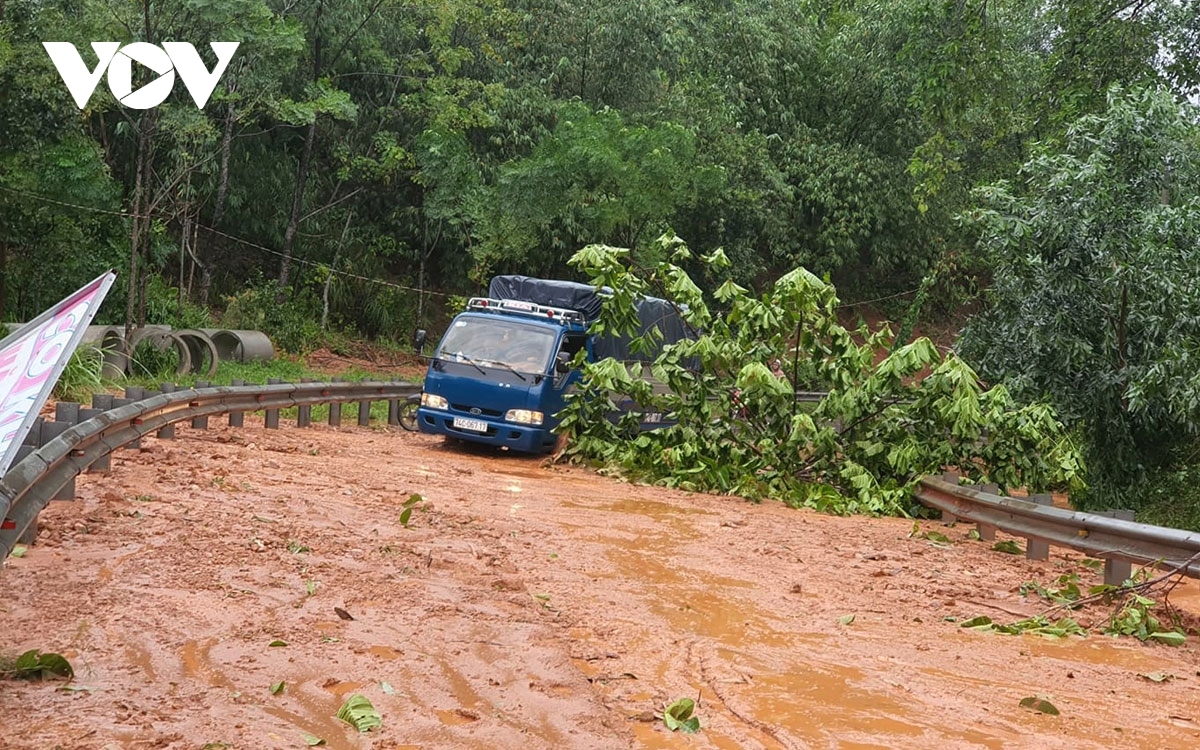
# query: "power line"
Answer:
x=219 y=233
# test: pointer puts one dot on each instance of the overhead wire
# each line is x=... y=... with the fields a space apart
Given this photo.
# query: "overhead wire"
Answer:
x=225 y=235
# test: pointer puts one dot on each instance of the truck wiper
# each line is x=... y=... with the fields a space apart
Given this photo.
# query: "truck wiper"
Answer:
x=470 y=360
x=508 y=367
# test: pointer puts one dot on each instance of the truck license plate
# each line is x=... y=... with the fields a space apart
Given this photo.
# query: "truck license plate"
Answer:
x=475 y=425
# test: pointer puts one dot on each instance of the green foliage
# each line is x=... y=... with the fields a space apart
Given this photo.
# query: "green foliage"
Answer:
x=358 y=712
x=35 y=664
x=1038 y=625
x=1065 y=593
x=1172 y=496
x=862 y=449
x=1097 y=287
x=413 y=501
x=165 y=306
x=291 y=324
x=678 y=716
x=82 y=376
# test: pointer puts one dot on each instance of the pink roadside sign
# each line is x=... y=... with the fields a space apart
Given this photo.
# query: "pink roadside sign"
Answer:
x=32 y=358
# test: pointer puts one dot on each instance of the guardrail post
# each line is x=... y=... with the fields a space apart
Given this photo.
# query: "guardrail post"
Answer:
x=167 y=431
x=335 y=411
x=34 y=436
x=952 y=478
x=987 y=532
x=102 y=401
x=271 y=416
x=393 y=411
x=364 y=413
x=104 y=463
x=201 y=423
x=51 y=430
x=29 y=536
x=237 y=418
x=304 y=411
x=30 y=444
x=1034 y=548
x=1116 y=572
x=66 y=411
x=132 y=393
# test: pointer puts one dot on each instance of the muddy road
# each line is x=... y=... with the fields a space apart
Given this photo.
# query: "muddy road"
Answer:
x=534 y=607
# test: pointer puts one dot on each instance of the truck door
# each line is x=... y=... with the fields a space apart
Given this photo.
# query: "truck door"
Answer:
x=568 y=347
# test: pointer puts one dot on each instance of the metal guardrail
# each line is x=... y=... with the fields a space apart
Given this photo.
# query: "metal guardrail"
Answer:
x=29 y=485
x=1094 y=535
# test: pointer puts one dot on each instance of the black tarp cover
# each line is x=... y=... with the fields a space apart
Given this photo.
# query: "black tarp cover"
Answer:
x=572 y=295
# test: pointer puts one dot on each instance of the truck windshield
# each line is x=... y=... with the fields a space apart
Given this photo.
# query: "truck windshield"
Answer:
x=524 y=348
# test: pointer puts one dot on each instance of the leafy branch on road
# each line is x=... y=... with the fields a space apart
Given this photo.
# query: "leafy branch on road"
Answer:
x=737 y=426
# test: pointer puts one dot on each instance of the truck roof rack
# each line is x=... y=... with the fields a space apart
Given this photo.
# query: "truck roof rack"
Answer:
x=521 y=307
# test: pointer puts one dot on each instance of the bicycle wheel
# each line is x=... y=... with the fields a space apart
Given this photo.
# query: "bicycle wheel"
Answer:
x=408 y=414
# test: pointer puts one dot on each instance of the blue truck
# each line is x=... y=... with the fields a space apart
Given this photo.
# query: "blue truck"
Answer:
x=503 y=368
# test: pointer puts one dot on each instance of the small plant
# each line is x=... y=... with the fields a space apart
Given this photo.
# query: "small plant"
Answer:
x=413 y=501
x=297 y=548
x=82 y=376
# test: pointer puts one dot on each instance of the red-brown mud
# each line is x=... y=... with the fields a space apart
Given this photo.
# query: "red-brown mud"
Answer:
x=535 y=607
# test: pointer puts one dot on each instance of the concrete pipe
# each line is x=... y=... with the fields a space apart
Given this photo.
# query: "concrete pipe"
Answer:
x=202 y=350
x=162 y=339
x=114 y=349
x=241 y=345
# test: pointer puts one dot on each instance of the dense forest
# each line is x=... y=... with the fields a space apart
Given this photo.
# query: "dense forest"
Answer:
x=361 y=161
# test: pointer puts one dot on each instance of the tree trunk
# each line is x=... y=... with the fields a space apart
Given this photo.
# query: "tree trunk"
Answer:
x=136 y=234
x=205 y=254
x=332 y=266
x=289 y=235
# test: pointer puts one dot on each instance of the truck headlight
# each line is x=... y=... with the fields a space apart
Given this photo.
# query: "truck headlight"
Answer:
x=523 y=416
x=431 y=401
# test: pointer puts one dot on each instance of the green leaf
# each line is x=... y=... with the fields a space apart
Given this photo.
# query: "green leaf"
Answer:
x=312 y=740
x=387 y=688
x=35 y=664
x=1169 y=637
x=1008 y=546
x=405 y=515
x=277 y=643
x=18 y=550
x=678 y=716
x=358 y=712
x=277 y=687
x=1041 y=705
x=846 y=619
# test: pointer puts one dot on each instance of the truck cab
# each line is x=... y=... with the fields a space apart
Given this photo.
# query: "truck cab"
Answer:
x=501 y=372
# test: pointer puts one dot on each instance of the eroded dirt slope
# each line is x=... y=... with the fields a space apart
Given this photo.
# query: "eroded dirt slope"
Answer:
x=531 y=606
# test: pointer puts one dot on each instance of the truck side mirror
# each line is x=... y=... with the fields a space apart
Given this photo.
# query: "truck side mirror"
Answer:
x=418 y=340
x=562 y=363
